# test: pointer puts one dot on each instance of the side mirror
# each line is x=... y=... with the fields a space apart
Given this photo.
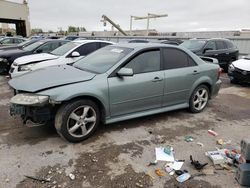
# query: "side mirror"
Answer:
x=125 y=72
x=39 y=51
x=75 y=54
x=206 y=49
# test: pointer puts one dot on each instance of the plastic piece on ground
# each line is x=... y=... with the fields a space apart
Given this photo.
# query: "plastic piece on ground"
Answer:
x=189 y=139
x=159 y=173
x=184 y=177
x=220 y=142
x=212 y=132
x=200 y=144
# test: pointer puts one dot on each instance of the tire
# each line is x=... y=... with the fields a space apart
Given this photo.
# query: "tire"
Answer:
x=77 y=120
x=199 y=100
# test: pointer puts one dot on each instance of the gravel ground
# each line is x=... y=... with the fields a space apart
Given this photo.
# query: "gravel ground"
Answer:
x=118 y=154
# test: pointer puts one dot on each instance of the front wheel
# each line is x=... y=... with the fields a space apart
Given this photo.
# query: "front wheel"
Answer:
x=78 y=120
x=199 y=99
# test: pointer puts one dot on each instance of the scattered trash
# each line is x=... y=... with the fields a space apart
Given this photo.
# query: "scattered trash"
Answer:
x=184 y=177
x=220 y=142
x=216 y=157
x=72 y=176
x=150 y=176
x=179 y=172
x=159 y=173
x=197 y=165
x=164 y=154
x=138 y=185
x=176 y=165
x=152 y=163
x=200 y=144
x=37 y=179
x=7 y=180
x=212 y=132
x=189 y=139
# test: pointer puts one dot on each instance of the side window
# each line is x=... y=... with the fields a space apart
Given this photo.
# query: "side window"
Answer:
x=149 y=61
x=230 y=44
x=7 y=41
x=87 y=48
x=210 y=45
x=174 y=59
x=220 y=45
x=103 y=44
x=191 y=62
x=44 y=48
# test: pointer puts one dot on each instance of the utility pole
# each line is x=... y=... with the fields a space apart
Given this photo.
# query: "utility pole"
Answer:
x=148 y=17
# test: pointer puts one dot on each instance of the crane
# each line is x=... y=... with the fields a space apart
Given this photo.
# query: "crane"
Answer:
x=107 y=19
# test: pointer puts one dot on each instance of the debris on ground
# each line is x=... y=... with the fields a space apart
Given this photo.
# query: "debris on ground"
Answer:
x=184 y=177
x=152 y=163
x=220 y=142
x=200 y=144
x=72 y=176
x=159 y=173
x=37 y=179
x=197 y=165
x=164 y=154
x=188 y=138
x=216 y=157
x=213 y=133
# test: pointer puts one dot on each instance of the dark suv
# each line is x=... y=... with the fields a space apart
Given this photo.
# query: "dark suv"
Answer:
x=222 y=49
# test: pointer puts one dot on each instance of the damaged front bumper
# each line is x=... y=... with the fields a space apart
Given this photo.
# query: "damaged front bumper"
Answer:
x=33 y=109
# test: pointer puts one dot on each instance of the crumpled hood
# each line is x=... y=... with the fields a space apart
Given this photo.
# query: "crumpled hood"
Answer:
x=50 y=77
x=243 y=64
x=34 y=58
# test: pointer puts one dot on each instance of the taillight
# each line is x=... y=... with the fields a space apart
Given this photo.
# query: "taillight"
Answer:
x=219 y=71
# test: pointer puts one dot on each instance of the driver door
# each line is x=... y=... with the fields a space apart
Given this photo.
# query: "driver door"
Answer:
x=143 y=90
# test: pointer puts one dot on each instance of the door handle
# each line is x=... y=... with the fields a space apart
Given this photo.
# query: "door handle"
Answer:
x=195 y=72
x=157 y=79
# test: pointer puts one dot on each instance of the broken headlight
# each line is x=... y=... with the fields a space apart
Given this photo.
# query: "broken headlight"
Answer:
x=29 y=99
x=231 y=68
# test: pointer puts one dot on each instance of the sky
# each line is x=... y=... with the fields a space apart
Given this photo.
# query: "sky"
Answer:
x=183 y=15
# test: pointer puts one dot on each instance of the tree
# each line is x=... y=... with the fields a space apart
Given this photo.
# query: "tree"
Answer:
x=73 y=29
x=36 y=31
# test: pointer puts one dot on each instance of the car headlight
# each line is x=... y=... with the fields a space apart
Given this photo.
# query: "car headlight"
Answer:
x=3 y=60
x=231 y=68
x=26 y=67
x=29 y=99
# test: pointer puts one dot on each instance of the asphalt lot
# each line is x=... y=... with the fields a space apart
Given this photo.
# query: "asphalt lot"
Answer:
x=118 y=155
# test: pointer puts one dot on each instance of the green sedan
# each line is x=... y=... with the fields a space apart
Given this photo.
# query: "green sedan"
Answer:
x=115 y=83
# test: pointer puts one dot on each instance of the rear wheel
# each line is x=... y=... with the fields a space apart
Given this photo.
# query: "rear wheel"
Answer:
x=78 y=120
x=199 y=99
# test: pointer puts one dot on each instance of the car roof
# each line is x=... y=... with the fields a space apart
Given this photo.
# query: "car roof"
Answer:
x=89 y=41
x=143 y=45
x=209 y=39
x=50 y=40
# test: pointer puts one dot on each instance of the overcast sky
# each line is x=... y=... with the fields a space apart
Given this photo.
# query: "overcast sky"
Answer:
x=184 y=15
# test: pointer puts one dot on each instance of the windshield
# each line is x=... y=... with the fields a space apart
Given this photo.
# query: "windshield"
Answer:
x=64 y=49
x=102 y=60
x=33 y=46
x=193 y=44
x=25 y=43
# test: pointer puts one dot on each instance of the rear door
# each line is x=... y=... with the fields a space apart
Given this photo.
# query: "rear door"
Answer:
x=180 y=72
x=143 y=90
x=222 y=51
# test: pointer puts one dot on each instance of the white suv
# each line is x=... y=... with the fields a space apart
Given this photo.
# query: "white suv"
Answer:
x=65 y=54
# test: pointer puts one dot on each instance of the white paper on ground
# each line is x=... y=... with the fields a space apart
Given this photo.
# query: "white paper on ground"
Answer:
x=176 y=165
x=162 y=156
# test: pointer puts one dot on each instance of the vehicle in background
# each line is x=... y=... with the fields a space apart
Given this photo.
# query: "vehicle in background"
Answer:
x=71 y=37
x=37 y=37
x=66 y=54
x=138 y=41
x=171 y=41
x=11 y=41
x=222 y=49
x=21 y=45
x=7 y=57
x=112 y=84
x=239 y=70
x=53 y=37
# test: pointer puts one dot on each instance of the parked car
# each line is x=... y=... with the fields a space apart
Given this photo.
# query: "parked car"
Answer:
x=138 y=41
x=66 y=54
x=11 y=41
x=21 y=45
x=239 y=71
x=71 y=37
x=8 y=57
x=171 y=41
x=112 y=84
x=222 y=49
